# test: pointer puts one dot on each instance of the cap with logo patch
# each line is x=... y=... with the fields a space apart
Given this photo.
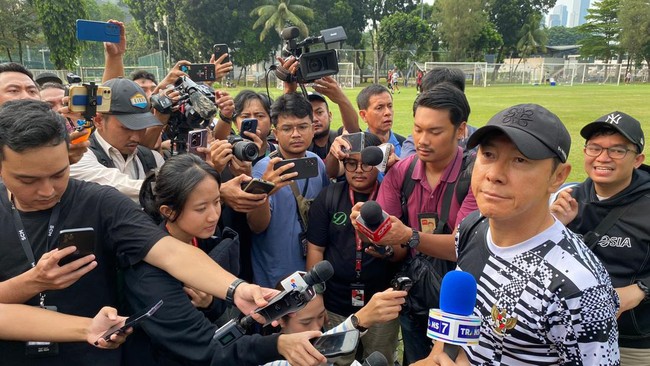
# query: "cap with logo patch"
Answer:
x=622 y=123
x=129 y=104
x=536 y=131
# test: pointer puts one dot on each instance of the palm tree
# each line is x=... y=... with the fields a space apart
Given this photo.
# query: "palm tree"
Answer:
x=277 y=14
x=532 y=37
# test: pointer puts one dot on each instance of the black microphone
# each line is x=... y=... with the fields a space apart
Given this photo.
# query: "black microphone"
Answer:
x=375 y=359
x=290 y=33
x=373 y=221
x=372 y=155
x=291 y=301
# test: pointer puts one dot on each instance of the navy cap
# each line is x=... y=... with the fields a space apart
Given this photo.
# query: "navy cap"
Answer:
x=622 y=123
x=316 y=96
x=537 y=133
x=129 y=104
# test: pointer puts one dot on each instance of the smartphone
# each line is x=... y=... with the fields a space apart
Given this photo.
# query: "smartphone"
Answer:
x=132 y=321
x=195 y=139
x=220 y=49
x=257 y=186
x=82 y=238
x=200 y=72
x=250 y=125
x=402 y=284
x=306 y=167
x=356 y=141
x=91 y=30
x=336 y=344
x=79 y=99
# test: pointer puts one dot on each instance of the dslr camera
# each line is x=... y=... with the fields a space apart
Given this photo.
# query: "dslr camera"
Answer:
x=313 y=65
x=243 y=150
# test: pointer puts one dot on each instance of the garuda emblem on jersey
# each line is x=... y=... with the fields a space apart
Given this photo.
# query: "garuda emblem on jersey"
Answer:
x=501 y=321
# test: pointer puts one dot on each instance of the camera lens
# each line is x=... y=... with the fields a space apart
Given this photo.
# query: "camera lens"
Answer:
x=245 y=150
x=315 y=64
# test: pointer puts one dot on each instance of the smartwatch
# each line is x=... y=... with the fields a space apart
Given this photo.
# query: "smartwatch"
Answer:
x=413 y=241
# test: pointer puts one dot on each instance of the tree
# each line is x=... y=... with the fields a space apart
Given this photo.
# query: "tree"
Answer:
x=58 y=18
x=489 y=41
x=532 y=37
x=461 y=23
x=601 y=31
x=278 y=14
x=562 y=36
x=18 y=24
x=634 y=17
x=402 y=32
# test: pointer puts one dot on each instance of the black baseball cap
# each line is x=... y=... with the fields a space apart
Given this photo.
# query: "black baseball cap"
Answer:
x=130 y=105
x=316 y=96
x=622 y=123
x=47 y=77
x=536 y=131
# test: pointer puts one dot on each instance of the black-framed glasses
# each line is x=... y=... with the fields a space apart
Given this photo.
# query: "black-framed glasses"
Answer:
x=288 y=130
x=614 y=152
x=351 y=165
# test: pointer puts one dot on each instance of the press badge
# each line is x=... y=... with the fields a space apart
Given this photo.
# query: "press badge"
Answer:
x=42 y=349
x=428 y=222
x=358 y=294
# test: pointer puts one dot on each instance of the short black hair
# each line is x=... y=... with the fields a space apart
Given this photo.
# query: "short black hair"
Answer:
x=363 y=99
x=143 y=74
x=444 y=74
x=448 y=97
x=15 y=67
x=29 y=124
x=244 y=96
x=53 y=85
x=291 y=104
x=173 y=184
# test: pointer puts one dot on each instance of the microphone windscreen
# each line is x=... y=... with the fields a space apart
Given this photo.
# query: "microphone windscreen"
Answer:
x=321 y=272
x=372 y=155
x=371 y=213
x=290 y=33
x=376 y=359
x=458 y=293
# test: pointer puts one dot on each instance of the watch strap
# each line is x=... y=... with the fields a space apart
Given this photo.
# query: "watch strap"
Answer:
x=230 y=294
x=355 y=323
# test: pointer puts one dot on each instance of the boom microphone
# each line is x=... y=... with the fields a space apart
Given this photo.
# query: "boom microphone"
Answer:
x=375 y=359
x=372 y=155
x=453 y=324
x=290 y=33
x=373 y=221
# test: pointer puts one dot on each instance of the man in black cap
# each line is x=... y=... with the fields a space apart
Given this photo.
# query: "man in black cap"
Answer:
x=115 y=156
x=543 y=297
x=47 y=77
x=610 y=210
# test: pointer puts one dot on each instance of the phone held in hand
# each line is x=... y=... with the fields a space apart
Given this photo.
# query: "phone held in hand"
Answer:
x=81 y=238
x=200 y=72
x=132 y=321
x=258 y=186
x=306 y=167
x=248 y=125
x=336 y=344
x=196 y=139
x=218 y=50
x=91 y=30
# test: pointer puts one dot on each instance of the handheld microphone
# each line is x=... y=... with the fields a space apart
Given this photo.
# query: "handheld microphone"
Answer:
x=375 y=359
x=453 y=324
x=373 y=221
x=300 y=280
x=372 y=155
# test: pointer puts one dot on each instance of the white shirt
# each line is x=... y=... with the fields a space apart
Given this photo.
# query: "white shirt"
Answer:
x=126 y=177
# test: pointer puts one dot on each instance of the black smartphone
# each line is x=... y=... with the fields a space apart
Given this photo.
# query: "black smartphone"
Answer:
x=200 y=72
x=91 y=30
x=336 y=344
x=218 y=50
x=131 y=321
x=257 y=186
x=195 y=139
x=250 y=125
x=82 y=238
x=306 y=167
x=402 y=284
x=356 y=141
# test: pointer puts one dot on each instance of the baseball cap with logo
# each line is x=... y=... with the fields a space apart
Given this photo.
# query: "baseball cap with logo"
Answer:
x=129 y=104
x=622 y=123
x=536 y=131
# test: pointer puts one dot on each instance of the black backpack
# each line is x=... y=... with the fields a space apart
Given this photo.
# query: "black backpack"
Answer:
x=144 y=154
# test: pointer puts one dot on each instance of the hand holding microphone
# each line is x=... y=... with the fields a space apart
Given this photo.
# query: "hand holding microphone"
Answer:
x=373 y=222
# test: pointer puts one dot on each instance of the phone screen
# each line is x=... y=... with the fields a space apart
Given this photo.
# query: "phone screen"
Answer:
x=336 y=344
x=90 y=30
x=132 y=321
x=200 y=72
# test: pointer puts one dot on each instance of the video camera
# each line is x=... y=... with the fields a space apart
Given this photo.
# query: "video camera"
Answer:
x=196 y=108
x=313 y=65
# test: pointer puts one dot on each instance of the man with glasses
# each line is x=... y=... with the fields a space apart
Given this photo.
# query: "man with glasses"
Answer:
x=610 y=210
x=279 y=230
x=358 y=274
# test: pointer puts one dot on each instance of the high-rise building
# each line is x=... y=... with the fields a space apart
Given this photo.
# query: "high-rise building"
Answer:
x=578 y=12
x=558 y=17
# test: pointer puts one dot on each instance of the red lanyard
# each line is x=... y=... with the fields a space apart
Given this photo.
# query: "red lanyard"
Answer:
x=195 y=242
x=359 y=244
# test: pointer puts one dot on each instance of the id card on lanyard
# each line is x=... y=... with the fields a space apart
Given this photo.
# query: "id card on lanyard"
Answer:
x=357 y=295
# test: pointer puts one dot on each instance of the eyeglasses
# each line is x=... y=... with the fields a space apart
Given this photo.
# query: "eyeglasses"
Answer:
x=615 y=152
x=302 y=129
x=351 y=166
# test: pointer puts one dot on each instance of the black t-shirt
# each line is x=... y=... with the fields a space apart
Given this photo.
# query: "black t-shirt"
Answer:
x=323 y=151
x=123 y=236
x=330 y=227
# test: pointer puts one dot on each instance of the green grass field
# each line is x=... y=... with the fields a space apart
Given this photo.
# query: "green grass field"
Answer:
x=575 y=105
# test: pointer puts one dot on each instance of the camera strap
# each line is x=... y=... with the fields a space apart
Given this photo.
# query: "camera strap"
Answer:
x=24 y=241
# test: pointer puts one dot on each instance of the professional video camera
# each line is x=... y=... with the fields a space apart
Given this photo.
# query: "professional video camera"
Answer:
x=313 y=65
x=196 y=108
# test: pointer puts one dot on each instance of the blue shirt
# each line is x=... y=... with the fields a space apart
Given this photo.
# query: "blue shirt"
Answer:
x=277 y=252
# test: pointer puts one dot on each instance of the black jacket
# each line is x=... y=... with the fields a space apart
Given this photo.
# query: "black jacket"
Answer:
x=624 y=249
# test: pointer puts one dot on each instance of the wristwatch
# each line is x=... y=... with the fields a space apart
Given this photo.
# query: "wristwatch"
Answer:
x=230 y=294
x=645 y=289
x=413 y=241
x=355 y=323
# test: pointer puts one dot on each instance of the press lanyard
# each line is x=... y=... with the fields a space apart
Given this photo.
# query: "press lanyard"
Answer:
x=24 y=241
x=359 y=244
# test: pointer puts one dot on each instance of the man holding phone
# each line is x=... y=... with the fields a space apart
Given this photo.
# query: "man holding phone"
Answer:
x=279 y=231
